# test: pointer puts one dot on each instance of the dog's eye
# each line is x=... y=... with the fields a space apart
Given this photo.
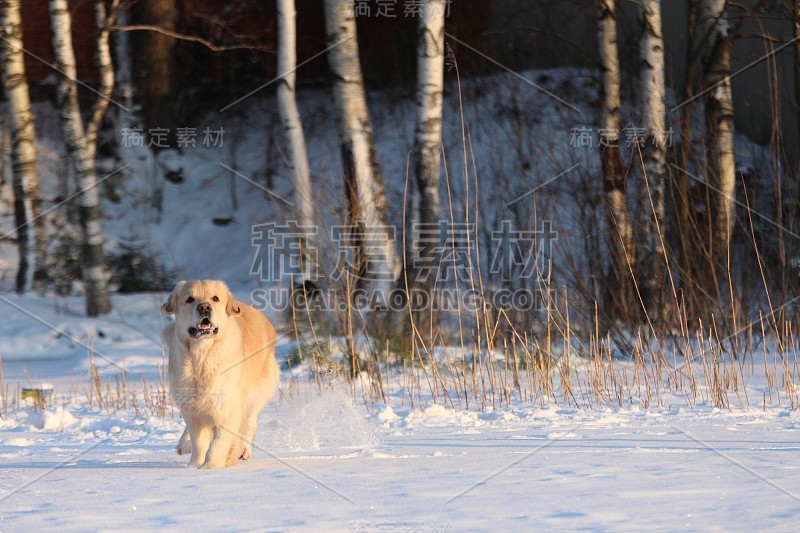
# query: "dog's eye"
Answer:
x=189 y=300
x=215 y=298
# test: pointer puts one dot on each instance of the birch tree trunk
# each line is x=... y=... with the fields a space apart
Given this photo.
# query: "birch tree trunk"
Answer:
x=689 y=233
x=425 y=201
x=654 y=156
x=81 y=144
x=153 y=64
x=794 y=190
x=293 y=128
x=124 y=57
x=716 y=60
x=362 y=173
x=32 y=243
x=619 y=282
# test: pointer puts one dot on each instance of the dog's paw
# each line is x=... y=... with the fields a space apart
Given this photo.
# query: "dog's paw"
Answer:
x=246 y=452
x=185 y=443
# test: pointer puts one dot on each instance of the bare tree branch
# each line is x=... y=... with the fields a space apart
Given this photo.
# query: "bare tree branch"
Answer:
x=192 y=38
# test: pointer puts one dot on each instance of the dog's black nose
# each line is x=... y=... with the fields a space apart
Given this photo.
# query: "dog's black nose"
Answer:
x=204 y=309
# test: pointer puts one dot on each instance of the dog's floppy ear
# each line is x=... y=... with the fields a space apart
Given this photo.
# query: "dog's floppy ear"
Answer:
x=233 y=307
x=171 y=304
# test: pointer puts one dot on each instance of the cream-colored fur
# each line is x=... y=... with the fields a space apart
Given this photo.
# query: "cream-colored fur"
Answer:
x=222 y=370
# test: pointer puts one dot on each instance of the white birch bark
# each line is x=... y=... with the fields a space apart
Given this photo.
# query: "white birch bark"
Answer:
x=31 y=237
x=293 y=127
x=363 y=179
x=106 y=70
x=716 y=59
x=430 y=89
x=425 y=200
x=81 y=144
x=654 y=152
x=623 y=255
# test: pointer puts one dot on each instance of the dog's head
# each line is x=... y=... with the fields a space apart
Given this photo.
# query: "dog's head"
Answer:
x=202 y=308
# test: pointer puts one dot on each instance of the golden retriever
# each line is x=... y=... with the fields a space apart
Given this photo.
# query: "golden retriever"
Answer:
x=222 y=370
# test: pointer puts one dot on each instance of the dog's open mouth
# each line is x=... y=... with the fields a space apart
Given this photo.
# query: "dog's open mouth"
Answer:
x=203 y=328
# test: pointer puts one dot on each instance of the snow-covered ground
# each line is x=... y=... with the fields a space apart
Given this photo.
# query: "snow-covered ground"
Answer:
x=323 y=460
x=320 y=463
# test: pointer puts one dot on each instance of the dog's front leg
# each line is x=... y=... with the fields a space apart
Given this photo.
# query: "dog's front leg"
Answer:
x=219 y=452
x=247 y=431
x=200 y=435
